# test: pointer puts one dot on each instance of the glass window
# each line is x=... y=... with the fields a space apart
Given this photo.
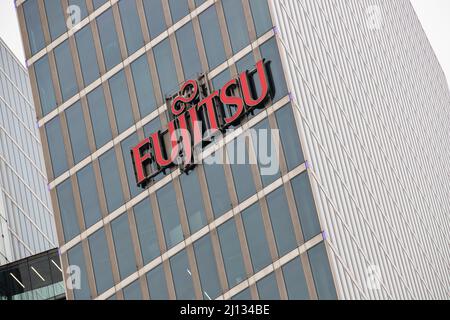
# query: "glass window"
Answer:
x=89 y=196
x=193 y=201
x=321 y=271
x=98 y=3
x=218 y=190
x=66 y=72
x=56 y=146
x=268 y=159
x=131 y=25
x=143 y=85
x=243 y=295
x=67 y=210
x=121 y=101
x=55 y=18
x=207 y=268
x=111 y=180
x=242 y=174
x=281 y=221
x=133 y=291
x=156 y=281
x=101 y=262
x=87 y=55
x=166 y=68
x=76 y=258
x=269 y=51
x=256 y=238
x=178 y=9
x=182 y=276
x=45 y=85
x=169 y=215
x=81 y=4
x=155 y=17
x=99 y=117
x=268 y=288
x=152 y=127
x=295 y=281
x=237 y=26
x=212 y=38
x=289 y=137
x=124 y=246
x=127 y=145
x=146 y=229
x=34 y=27
x=199 y=2
x=261 y=16
x=305 y=206
x=231 y=253
x=77 y=132
x=108 y=39
x=188 y=51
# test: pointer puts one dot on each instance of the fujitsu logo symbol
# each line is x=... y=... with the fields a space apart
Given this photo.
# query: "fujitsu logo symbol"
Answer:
x=197 y=117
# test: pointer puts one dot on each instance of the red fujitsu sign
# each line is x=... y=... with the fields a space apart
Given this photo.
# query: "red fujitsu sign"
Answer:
x=197 y=116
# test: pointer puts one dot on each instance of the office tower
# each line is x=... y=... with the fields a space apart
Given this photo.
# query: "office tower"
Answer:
x=356 y=209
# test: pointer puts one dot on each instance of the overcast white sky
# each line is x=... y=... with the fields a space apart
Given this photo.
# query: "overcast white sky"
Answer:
x=434 y=14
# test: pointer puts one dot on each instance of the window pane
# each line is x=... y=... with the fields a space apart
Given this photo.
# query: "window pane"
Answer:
x=98 y=3
x=87 y=55
x=146 y=229
x=121 y=101
x=295 y=281
x=289 y=137
x=77 y=132
x=178 y=9
x=218 y=190
x=268 y=288
x=169 y=215
x=45 y=85
x=242 y=174
x=188 y=51
x=243 y=295
x=156 y=281
x=81 y=4
x=56 y=146
x=66 y=72
x=182 y=276
x=199 y=2
x=131 y=25
x=305 y=206
x=144 y=86
x=269 y=51
x=108 y=39
x=133 y=291
x=281 y=221
x=101 y=263
x=123 y=246
x=207 y=268
x=111 y=180
x=155 y=17
x=212 y=37
x=55 y=18
x=166 y=68
x=261 y=16
x=237 y=27
x=193 y=201
x=76 y=258
x=67 y=210
x=256 y=238
x=323 y=278
x=231 y=253
x=89 y=196
x=99 y=117
x=34 y=27
x=127 y=145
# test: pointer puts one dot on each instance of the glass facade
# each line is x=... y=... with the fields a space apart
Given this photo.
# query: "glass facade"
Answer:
x=27 y=223
x=239 y=222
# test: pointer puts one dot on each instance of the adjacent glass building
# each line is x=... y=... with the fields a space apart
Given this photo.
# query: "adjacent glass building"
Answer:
x=27 y=224
x=100 y=80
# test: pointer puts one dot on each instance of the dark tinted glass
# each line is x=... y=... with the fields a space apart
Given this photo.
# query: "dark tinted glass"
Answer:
x=55 y=18
x=89 y=196
x=101 y=262
x=133 y=291
x=212 y=37
x=66 y=72
x=182 y=276
x=121 y=101
x=127 y=145
x=188 y=51
x=99 y=117
x=242 y=174
x=108 y=39
x=45 y=85
x=111 y=180
x=295 y=281
x=77 y=132
x=207 y=268
x=56 y=146
x=76 y=258
x=268 y=288
x=87 y=55
x=143 y=85
x=166 y=68
x=269 y=51
x=131 y=25
x=218 y=190
x=193 y=201
x=146 y=229
x=67 y=210
x=178 y=9
x=155 y=17
x=123 y=246
x=261 y=16
x=34 y=27
x=323 y=278
x=169 y=215
x=98 y=3
x=237 y=26
x=156 y=281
